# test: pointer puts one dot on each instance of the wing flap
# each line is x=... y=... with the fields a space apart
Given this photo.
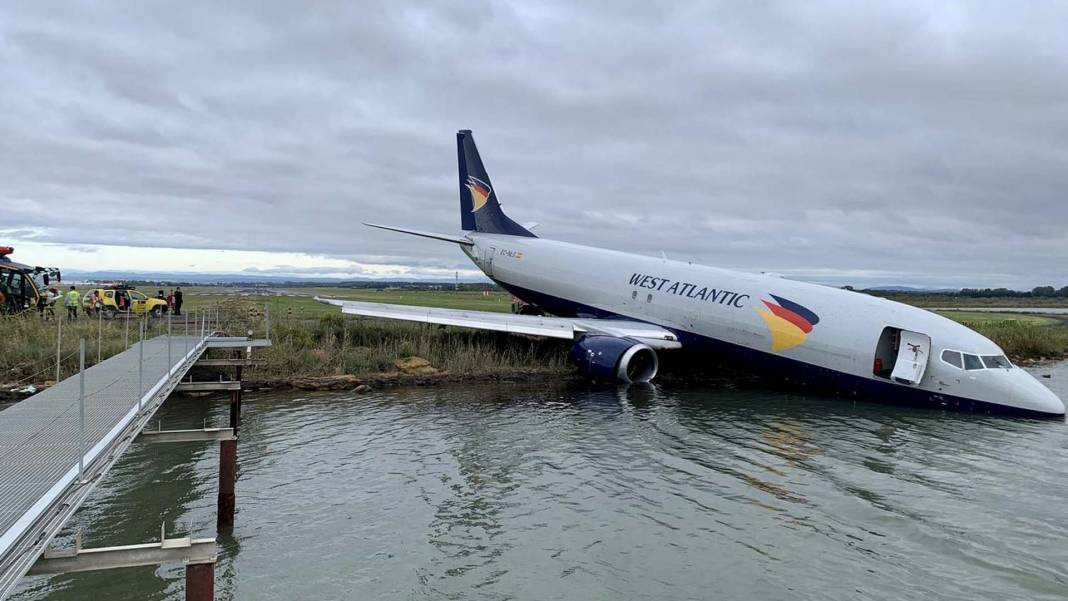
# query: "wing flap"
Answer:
x=533 y=325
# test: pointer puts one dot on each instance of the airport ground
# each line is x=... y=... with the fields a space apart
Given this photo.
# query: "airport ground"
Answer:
x=316 y=347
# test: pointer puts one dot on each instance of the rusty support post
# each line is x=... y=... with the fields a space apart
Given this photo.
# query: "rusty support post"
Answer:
x=235 y=410
x=200 y=582
x=227 y=477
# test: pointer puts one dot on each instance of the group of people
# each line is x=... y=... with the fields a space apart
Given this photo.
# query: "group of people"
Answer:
x=173 y=300
x=92 y=303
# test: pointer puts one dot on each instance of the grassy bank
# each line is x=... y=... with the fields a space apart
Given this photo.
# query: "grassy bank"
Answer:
x=312 y=340
x=300 y=303
x=327 y=345
x=338 y=345
x=1022 y=336
x=28 y=345
x=1022 y=340
x=945 y=300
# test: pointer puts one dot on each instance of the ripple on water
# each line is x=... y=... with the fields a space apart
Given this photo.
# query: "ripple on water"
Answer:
x=503 y=492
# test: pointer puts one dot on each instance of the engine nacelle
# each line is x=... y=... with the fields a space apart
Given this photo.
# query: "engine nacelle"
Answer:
x=611 y=357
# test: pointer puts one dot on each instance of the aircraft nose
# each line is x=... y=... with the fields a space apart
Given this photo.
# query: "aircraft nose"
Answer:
x=1037 y=397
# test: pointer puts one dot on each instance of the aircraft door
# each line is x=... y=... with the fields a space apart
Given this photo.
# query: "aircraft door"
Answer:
x=138 y=302
x=914 y=350
x=487 y=259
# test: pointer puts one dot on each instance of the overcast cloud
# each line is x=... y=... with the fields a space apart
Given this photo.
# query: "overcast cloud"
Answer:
x=903 y=143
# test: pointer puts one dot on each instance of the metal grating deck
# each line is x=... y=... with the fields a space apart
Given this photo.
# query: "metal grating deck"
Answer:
x=40 y=438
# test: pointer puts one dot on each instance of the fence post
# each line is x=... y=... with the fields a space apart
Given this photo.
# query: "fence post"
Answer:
x=59 y=338
x=126 y=333
x=267 y=312
x=81 y=403
x=141 y=366
x=99 y=331
x=170 y=363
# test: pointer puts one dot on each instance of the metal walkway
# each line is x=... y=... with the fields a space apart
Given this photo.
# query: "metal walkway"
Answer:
x=41 y=439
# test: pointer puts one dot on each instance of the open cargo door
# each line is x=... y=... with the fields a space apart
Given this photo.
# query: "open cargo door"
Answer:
x=913 y=351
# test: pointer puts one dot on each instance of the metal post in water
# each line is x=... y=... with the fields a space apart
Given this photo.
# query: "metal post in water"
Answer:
x=199 y=581
x=141 y=366
x=59 y=338
x=81 y=403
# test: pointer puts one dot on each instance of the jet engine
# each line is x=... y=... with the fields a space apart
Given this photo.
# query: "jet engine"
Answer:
x=611 y=357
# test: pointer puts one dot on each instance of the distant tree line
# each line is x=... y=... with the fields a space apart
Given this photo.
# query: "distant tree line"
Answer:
x=1036 y=292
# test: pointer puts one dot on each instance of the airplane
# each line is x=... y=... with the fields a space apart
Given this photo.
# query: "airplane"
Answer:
x=622 y=310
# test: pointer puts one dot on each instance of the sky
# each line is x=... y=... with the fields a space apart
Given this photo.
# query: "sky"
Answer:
x=896 y=143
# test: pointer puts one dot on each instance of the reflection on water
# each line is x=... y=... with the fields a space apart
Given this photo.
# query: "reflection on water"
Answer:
x=520 y=492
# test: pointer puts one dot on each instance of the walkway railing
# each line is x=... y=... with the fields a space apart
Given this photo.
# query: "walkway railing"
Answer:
x=56 y=442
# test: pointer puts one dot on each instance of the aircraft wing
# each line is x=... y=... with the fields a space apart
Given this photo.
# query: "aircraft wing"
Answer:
x=553 y=327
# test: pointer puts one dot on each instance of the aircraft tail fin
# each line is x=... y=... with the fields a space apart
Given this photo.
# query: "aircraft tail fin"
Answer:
x=479 y=208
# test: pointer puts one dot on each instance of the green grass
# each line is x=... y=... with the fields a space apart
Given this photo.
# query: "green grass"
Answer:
x=981 y=317
x=28 y=345
x=943 y=300
x=1021 y=336
x=300 y=302
x=1025 y=341
x=337 y=345
x=310 y=338
x=314 y=339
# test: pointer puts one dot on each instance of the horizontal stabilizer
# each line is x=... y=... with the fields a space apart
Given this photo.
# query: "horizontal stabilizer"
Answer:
x=434 y=235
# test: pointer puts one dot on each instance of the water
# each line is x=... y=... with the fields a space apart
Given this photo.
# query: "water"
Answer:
x=520 y=492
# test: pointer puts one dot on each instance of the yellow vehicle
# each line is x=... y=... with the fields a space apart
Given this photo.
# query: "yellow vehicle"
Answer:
x=23 y=287
x=118 y=300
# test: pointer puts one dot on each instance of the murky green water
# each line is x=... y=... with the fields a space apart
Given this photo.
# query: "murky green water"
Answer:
x=519 y=492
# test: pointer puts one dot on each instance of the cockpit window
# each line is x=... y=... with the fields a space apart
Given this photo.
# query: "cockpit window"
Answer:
x=953 y=358
x=972 y=362
x=994 y=361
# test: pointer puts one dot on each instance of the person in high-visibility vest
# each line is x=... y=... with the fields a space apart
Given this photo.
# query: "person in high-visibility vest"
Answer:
x=73 y=301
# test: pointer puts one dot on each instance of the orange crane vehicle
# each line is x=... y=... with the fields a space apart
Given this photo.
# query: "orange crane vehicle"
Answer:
x=23 y=287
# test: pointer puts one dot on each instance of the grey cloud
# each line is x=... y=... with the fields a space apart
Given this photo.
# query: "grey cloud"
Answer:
x=905 y=143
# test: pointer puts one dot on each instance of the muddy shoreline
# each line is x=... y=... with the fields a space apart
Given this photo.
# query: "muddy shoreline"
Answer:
x=365 y=382
x=395 y=379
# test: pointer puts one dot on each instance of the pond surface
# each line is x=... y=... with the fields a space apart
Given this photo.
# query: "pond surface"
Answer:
x=545 y=492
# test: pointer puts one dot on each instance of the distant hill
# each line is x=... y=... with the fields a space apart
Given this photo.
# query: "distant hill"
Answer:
x=244 y=278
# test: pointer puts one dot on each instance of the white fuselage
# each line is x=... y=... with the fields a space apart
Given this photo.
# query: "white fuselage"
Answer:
x=726 y=306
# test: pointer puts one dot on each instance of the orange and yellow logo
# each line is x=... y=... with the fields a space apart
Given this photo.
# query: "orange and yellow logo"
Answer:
x=789 y=322
x=480 y=192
